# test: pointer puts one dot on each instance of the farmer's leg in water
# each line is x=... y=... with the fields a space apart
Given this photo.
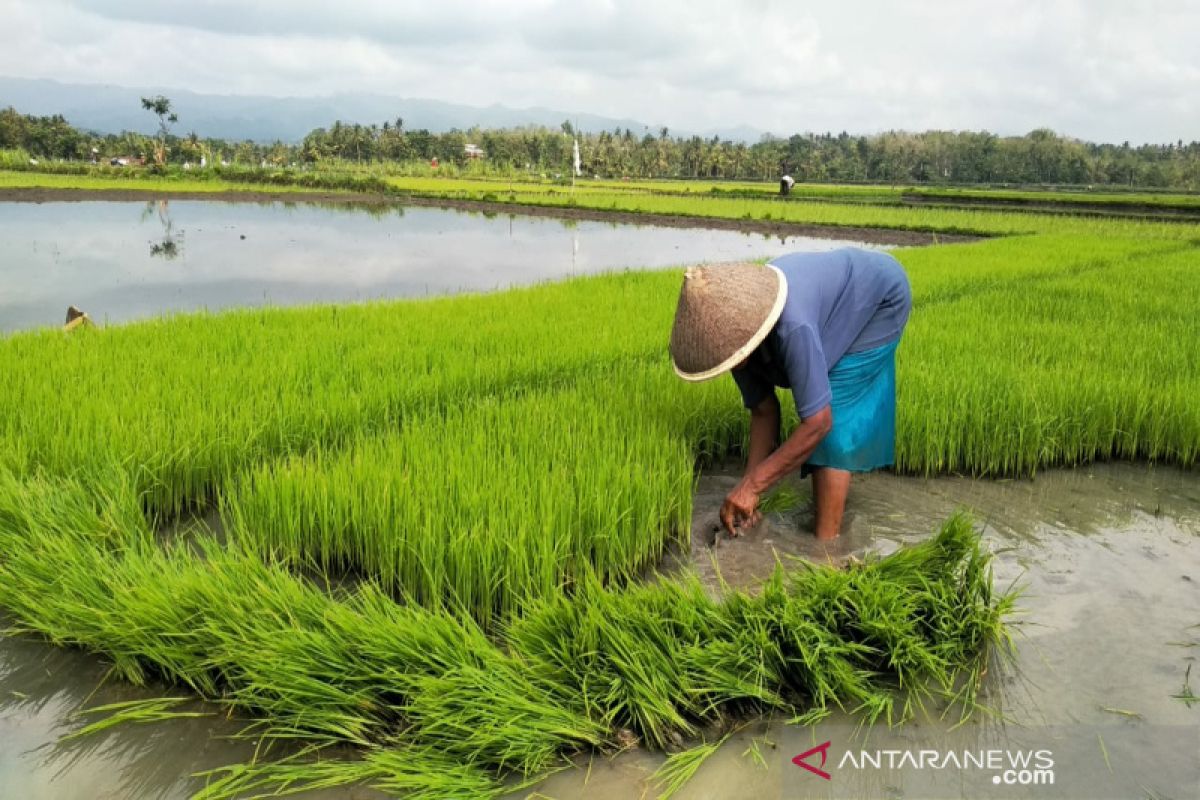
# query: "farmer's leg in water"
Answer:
x=830 y=487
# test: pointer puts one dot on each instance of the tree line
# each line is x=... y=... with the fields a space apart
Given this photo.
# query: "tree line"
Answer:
x=967 y=157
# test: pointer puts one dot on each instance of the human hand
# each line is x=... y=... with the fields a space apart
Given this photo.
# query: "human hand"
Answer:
x=740 y=509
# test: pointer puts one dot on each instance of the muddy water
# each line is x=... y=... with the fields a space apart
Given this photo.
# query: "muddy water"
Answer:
x=1110 y=560
x=1111 y=621
x=43 y=688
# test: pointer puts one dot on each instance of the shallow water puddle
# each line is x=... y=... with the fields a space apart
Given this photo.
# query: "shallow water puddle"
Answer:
x=1109 y=558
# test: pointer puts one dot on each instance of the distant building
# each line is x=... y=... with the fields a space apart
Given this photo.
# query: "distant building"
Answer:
x=473 y=151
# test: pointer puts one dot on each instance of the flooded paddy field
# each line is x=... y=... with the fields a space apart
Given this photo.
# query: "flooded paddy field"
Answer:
x=303 y=427
x=121 y=261
x=1108 y=627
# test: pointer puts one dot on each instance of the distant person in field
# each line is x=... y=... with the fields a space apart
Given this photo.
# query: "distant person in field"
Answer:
x=786 y=183
x=824 y=325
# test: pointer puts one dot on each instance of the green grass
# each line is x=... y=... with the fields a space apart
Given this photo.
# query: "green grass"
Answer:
x=13 y=158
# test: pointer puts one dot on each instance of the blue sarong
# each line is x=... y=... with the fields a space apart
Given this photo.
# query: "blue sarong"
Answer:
x=863 y=436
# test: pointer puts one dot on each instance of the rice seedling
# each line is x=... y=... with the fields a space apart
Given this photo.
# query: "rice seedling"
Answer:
x=681 y=767
x=1124 y=712
x=528 y=513
x=403 y=683
x=754 y=751
x=500 y=717
x=835 y=206
x=1104 y=752
x=1103 y=198
x=103 y=179
x=185 y=403
x=414 y=772
x=188 y=403
x=1185 y=694
x=782 y=499
x=814 y=211
x=155 y=709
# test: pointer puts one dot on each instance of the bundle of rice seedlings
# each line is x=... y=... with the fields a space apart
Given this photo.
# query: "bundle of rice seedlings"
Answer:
x=664 y=660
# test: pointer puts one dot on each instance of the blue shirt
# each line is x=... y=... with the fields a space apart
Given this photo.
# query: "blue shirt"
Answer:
x=838 y=302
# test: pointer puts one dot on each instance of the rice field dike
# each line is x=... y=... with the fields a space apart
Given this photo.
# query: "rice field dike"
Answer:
x=746 y=200
x=433 y=561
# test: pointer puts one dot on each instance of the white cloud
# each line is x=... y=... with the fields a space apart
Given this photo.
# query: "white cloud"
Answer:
x=1102 y=70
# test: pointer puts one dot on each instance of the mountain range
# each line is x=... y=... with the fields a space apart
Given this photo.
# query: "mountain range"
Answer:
x=113 y=109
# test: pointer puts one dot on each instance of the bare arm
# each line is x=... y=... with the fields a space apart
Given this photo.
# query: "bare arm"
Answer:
x=761 y=475
x=792 y=454
x=764 y=431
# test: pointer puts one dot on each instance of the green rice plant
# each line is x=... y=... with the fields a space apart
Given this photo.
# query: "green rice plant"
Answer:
x=571 y=671
x=105 y=179
x=622 y=652
x=829 y=213
x=872 y=207
x=1185 y=694
x=662 y=659
x=481 y=506
x=782 y=499
x=1104 y=198
x=754 y=751
x=1057 y=388
x=183 y=404
x=500 y=717
x=681 y=767
x=419 y=773
x=155 y=709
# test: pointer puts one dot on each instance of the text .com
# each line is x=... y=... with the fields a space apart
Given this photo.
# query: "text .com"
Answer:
x=1025 y=777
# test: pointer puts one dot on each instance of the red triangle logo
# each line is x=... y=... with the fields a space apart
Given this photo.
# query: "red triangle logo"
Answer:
x=823 y=749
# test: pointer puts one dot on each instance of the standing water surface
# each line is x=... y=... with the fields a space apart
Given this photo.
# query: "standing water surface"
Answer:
x=126 y=260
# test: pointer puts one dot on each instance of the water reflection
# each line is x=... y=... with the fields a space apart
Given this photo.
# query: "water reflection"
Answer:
x=94 y=254
x=171 y=244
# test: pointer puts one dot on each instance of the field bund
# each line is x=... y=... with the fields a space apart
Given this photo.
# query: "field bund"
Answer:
x=436 y=512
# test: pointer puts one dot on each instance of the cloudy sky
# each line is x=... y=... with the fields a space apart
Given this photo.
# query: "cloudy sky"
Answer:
x=1102 y=69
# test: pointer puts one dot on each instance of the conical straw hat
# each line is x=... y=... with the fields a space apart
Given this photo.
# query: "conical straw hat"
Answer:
x=723 y=314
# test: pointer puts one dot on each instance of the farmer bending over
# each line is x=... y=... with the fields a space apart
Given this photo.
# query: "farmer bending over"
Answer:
x=825 y=325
